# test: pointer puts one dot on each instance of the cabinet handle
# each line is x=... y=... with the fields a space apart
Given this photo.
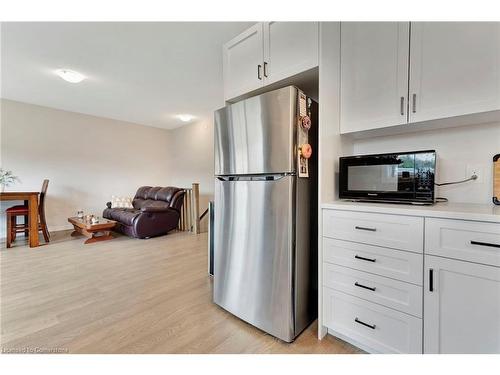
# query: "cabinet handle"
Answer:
x=364 y=286
x=265 y=69
x=402 y=106
x=414 y=103
x=484 y=244
x=259 y=75
x=372 y=326
x=431 y=280
x=366 y=228
x=363 y=258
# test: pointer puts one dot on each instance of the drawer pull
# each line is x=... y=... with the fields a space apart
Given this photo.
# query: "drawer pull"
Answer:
x=365 y=324
x=364 y=286
x=366 y=228
x=367 y=259
x=431 y=280
x=484 y=244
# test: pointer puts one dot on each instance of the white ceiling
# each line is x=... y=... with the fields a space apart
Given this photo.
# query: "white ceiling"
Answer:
x=139 y=72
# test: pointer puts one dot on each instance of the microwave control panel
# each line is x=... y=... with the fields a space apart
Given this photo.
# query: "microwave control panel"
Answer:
x=425 y=165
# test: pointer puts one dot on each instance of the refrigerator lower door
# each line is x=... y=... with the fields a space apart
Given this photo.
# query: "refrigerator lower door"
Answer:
x=253 y=271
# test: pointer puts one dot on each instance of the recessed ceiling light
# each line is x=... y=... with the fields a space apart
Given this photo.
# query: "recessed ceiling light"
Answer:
x=185 y=117
x=70 y=75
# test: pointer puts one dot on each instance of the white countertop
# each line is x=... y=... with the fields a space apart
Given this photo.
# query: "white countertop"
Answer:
x=462 y=211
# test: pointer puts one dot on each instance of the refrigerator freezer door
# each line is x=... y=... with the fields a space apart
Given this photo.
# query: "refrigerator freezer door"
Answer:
x=254 y=252
x=257 y=135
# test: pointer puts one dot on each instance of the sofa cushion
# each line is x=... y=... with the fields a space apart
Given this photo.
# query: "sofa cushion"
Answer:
x=123 y=215
x=151 y=194
x=142 y=192
x=158 y=204
x=139 y=203
x=167 y=193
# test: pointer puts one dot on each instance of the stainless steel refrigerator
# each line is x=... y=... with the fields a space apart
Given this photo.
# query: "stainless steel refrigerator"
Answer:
x=265 y=227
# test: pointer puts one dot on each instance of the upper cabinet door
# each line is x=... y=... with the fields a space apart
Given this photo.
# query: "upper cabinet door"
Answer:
x=243 y=62
x=374 y=75
x=454 y=69
x=289 y=48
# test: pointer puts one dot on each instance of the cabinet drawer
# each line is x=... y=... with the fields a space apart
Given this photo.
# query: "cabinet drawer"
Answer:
x=395 y=294
x=396 y=264
x=379 y=328
x=394 y=231
x=472 y=241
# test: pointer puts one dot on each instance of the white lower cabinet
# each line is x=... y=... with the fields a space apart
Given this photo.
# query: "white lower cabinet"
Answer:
x=411 y=284
x=461 y=307
x=372 y=326
x=372 y=280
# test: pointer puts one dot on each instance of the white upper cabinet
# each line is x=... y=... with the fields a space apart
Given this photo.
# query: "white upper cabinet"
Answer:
x=268 y=52
x=243 y=62
x=289 y=48
x=394 y=74
x=454 y=69
x=374 y=75
x=461 y=307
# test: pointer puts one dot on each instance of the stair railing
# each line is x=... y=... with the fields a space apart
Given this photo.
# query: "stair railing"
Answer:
x=190 y=212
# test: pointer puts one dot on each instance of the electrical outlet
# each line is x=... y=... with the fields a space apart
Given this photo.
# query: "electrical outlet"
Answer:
x=475 y=169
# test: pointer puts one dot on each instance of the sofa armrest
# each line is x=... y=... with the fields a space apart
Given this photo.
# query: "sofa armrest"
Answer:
x=177 y=200
x=154 y=209
x=108 y=204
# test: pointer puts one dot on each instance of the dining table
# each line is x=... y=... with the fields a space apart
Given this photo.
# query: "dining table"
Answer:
x=30 y=199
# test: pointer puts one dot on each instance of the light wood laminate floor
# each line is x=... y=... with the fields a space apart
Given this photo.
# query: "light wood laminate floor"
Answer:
x=126 y=296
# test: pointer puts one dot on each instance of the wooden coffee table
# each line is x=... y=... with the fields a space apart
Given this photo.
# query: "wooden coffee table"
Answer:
x=94 y=232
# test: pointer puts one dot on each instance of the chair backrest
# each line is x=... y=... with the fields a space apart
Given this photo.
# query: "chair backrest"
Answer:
x=41 y=203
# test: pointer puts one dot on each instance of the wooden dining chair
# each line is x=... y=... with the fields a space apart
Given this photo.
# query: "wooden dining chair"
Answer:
x=22 y=210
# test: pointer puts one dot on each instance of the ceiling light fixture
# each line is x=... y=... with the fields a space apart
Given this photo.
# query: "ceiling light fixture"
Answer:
x=70 y=75
x=185 y=117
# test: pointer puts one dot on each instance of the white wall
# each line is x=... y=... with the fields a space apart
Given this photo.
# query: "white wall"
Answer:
x=192 y=160
x=329 y=102
x=329 y=133
x=87 y=159
x=456 y=148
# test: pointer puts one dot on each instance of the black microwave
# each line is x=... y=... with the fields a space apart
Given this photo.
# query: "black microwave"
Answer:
x=403 y=177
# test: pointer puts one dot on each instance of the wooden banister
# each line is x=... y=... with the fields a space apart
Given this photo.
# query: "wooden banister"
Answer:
x=190 y=212
x=203 y=214
x=196 y=208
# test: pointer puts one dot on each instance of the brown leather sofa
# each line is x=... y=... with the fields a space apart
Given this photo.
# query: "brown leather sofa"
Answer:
x=156 y=211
